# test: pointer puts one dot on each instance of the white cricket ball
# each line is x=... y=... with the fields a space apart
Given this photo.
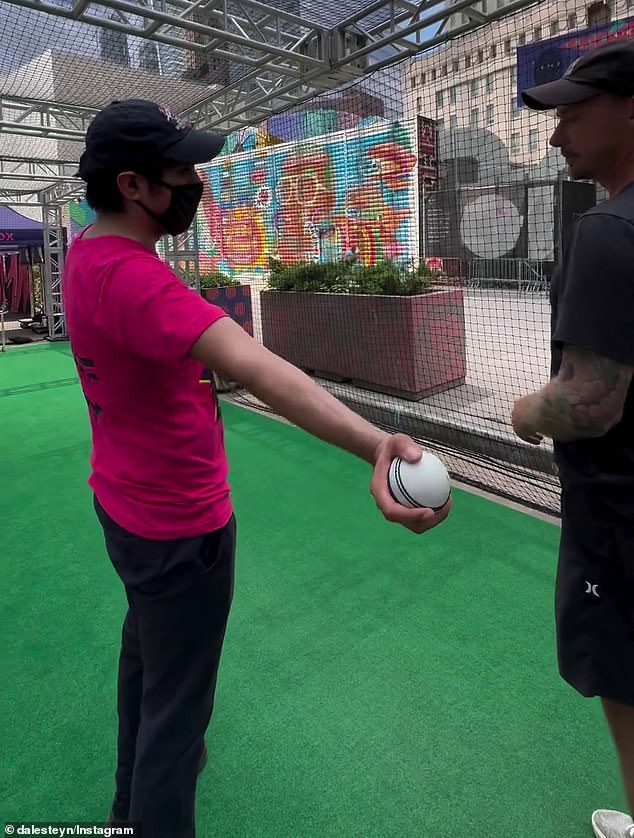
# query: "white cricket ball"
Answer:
x=422 y=484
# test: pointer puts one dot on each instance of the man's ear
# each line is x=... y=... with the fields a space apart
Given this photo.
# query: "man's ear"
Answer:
x=128 y=183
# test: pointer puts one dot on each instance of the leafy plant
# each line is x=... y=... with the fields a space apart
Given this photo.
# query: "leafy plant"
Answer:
x=389 y=278
x=216 y=279
x=347 y=277
x=310 y=276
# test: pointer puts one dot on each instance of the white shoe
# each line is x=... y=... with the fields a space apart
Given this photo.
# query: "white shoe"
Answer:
x=610 y=824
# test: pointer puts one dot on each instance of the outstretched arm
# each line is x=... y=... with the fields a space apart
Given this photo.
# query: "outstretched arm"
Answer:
x=227 y=349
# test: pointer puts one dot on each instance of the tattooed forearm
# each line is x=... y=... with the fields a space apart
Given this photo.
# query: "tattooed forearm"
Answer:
x=586 y=398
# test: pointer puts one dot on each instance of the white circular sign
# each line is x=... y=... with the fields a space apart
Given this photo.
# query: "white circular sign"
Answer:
x=490 y=226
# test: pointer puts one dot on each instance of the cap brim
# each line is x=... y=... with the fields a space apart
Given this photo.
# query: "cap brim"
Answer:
x=555 y=93
x=196 y=147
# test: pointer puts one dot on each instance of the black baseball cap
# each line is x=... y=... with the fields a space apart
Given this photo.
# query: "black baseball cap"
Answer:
x=608 y=68
x=134 y=132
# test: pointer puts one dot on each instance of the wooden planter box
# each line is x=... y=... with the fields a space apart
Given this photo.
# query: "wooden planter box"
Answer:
x=411 y=347
x=236 y=301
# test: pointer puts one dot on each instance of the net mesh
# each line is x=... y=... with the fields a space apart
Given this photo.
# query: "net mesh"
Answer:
x=394 y=237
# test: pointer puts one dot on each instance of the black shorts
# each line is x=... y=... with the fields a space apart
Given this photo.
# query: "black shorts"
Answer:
x=594 y=602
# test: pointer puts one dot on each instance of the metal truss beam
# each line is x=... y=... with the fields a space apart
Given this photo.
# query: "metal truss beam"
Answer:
x=15 y=169
x=53 y=230
x=34 y=179
x=406 y=29
x=24 y=199
x=13 y=191
x=29 y=197
x=61 y=193
x=287 y=59
x=264 y=32
x=38 y=118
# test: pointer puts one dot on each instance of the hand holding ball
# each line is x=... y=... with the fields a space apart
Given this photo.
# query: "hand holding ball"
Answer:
x=424 y=484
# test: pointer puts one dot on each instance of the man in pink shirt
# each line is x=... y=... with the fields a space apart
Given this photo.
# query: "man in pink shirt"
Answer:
x=142 y=343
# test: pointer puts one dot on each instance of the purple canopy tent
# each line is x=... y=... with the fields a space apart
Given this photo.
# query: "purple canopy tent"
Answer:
x=21 y=243
x=17 y=231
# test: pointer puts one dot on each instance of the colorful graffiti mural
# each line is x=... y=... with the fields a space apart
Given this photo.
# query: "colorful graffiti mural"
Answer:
x=354 y=192
x=321 y=200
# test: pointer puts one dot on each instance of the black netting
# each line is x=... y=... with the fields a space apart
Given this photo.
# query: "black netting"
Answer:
x=427 y=176
x=394 y=237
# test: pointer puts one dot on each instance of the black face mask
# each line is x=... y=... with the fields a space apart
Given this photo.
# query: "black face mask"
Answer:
x=182 y=209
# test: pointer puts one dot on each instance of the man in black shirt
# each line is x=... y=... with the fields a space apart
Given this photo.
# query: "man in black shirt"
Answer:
x=588 y=406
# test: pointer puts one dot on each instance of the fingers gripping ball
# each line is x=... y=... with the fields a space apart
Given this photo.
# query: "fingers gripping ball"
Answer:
x=418 y=485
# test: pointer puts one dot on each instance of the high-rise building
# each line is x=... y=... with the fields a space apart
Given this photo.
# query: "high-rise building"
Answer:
x=470 y=84
x=596 y=12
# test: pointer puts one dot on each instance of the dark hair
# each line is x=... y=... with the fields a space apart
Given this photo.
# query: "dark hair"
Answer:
x=102 y=190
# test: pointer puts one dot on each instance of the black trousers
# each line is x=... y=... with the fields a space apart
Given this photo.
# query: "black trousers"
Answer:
x=179 y=595
x=595 y=592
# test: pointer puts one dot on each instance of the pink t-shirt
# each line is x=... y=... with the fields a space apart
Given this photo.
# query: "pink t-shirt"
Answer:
x=158 y=461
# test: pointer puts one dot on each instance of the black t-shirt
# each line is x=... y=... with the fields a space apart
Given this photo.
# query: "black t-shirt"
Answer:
x=592 y=298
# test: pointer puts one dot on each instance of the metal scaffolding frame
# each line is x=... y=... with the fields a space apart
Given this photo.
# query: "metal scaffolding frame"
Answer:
x=284 y=60
x=37 y=118
x=54 y=249
x=31 y=169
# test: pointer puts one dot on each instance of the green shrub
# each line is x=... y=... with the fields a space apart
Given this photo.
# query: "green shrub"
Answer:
x=333 y=277
x=216 y=279
x=346 y=277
